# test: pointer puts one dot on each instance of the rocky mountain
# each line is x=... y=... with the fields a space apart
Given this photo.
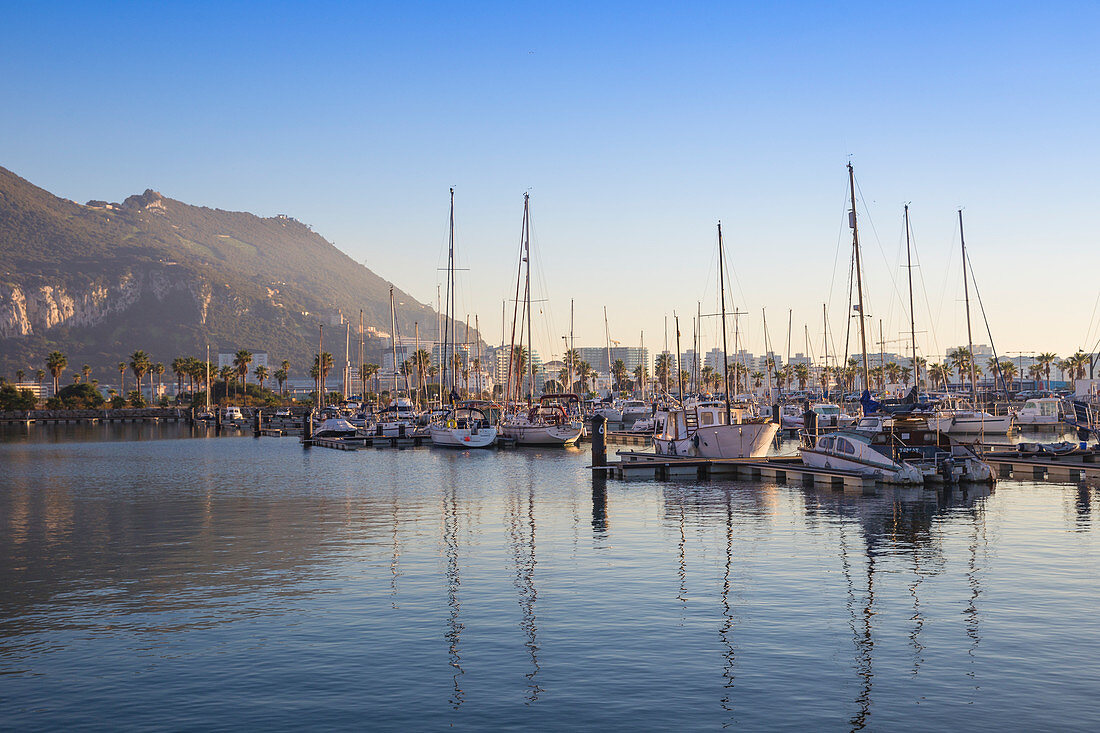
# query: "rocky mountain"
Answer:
x=100 y=280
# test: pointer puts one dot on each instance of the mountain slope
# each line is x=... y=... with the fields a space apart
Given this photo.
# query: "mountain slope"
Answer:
x=98 y=281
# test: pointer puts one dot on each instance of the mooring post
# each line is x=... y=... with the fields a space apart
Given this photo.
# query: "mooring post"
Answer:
x=307 y=428
x=599 y=441
x=217 y=420
x=257 y=423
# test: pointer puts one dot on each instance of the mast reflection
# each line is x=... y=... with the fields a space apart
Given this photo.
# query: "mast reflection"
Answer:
x=521 y=534
x=453 y=635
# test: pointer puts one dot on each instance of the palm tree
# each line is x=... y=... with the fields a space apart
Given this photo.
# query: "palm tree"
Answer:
x=1009 y=370
x=906 y=373
x=158 y=369
x=960 y=359
x=139 y=365
x=641 y=376
x=39 y=376
x=56 y=363
x=280 y=377
x=76 y=377
x=1045 y=360
x=757 y=379
x=583 y=373
x=619 y=372
x=261 y=375
x=241 y=361
x=663 y=367
x=19 y=374
x=87 y=372
x=367 y=372
x=893 y=372
x=326 y=367
x=178 y=367
x=802 y=374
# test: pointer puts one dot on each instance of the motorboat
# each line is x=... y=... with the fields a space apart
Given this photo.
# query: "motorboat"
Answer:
x=545 y=423
x=904 y=440
x=632 y=410
x=969 y=422
x=1040 y=411
x=831 y=416
x=232 y=414
x=701 y=430
x=608 y=411
x=852 y=450
x=643 y=425
x=334 y=427
x=463 y=427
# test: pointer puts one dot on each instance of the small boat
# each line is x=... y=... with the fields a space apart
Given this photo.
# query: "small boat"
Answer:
x=852 y=450
x=644 y=425
x=546 y=423
x=831 y=416
x=396 y=420
x=463 y=427
x=232 y=414
x=970 y=422
x=1040 y=411
x=1061 y=448
x=335 y=427
x=702 y=431
x=631 y=410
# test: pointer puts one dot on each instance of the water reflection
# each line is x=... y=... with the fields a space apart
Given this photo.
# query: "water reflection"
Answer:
x=453 y=635
x=521 y=541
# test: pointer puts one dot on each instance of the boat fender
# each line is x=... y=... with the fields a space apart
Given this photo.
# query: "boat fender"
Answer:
x=451 y=423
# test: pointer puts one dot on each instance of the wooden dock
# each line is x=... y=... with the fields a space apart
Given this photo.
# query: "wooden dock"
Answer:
x=1076 y=467
x=783 y=470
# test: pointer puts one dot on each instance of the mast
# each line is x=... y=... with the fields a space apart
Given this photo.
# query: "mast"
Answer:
x=321 y=361
x=208 y=377
x=477 y=329
x=679 y=366
x=347 y=359
x=969 y=337
x=449 y=317
x=439 y=340
x=607 y=342
x=912 y=312
x=393 y=341
x=666 y=355
x=825 y=349
x=527 y=288
x=572 y=353
x=722 y=290
x=768 y=368
x=859 y=274
x=359 y=365
x=466 y=357
x=419 y=367
x=645 y=362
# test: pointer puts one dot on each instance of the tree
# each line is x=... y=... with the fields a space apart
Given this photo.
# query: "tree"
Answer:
x=280 y=377
x=12 y=398
x=261 y=375
x=87 y=372
x=56 y=363
x=284 y=366
x=893 y=372
x=158 y=369
x=1009 y=371
x=139 y=365
x=241 y=361
x=663 y=367
x=802 y=374
x=39 y=376
x=906 y=375
x=367 y=372
x=326 y=366
x=706 y=375
x=960 y=359
x=19 y=374
x=641 y=376
x=1045 y=360
x=757 y=378
x=78 y=396
x=583 y=373
x=619 y=372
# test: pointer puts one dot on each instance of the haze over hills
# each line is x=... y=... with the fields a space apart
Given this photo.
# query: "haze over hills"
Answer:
x=100 y=280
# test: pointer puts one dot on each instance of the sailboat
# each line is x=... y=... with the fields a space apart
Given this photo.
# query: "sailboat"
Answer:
x=713 y=429
x=398 y=419
x=544 y=423
x=463 y=426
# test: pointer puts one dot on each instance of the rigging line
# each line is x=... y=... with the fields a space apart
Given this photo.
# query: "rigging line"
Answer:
x=1088 y=333
x=989 y=332
x=839 y=241
x=890 y=270
x=947 y=276
x=924 y=289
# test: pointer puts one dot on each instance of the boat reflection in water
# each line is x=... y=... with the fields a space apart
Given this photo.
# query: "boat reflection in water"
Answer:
x=868 y=535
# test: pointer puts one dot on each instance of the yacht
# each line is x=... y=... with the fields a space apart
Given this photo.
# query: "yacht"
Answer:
x=632 y=410
x=1040 y=411
x=702 y=431
x=969 y=422
x=852 y=450
x=463 y=427
x=335 y=427
x=546 y=423
x=396 y=419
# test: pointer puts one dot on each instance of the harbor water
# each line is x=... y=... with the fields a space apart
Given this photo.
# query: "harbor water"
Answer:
x=161 y=577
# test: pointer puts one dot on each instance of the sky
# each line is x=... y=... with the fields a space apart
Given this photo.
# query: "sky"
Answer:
x=634 y=127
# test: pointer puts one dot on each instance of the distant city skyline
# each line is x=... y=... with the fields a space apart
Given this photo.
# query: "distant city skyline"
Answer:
x=635 y=129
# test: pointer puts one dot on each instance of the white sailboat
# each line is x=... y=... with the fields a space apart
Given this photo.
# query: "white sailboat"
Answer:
x=464 y=426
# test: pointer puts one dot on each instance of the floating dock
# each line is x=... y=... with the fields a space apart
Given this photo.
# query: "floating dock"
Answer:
x=1074 y=467
x=781 y=469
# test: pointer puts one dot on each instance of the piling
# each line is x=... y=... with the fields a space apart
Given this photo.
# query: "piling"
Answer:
x=257 y=423
x=599 y=441
x=307 y=428
x=217 y=421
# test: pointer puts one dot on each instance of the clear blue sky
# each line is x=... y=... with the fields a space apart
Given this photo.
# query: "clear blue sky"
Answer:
x=634 y=127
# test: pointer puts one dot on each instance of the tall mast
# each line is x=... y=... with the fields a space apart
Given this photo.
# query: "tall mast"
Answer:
x=527 y=287
x=824 y=349
x=359 y=365
x=477 y=330
x=466 y=358
x=645 y=362
x=966 y=294
x=321 y=361
x=419 y=367
x=347 y=359
x=768 y=368
x=208 y=377
x=439 y=339
x=666 y=355
x=393 y=341
x=859 y=275
x=912 y=312
x=515 y=314
x=448 y=357
x=607 y=343
x=722 y=290
x=679 y=366
x=571 y=354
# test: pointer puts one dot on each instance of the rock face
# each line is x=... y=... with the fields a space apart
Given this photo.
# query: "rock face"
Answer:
x=34 y=309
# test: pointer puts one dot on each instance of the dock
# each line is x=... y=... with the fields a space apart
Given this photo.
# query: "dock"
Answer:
x=634 y=465
x=1074 y=467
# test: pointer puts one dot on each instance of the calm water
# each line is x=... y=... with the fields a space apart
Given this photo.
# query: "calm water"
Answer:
x=150 y=579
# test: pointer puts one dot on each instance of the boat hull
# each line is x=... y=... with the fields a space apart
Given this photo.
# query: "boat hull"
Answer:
x=884 y=470
x=744 y=440
x=445 y=437
x=528 y=434
x=998 y=424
